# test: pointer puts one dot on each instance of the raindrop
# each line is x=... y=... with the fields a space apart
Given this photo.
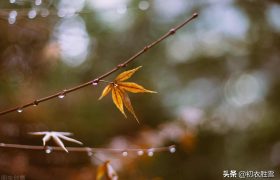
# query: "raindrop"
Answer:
x=12 y=17
x=95 y=83
x=172 y=149
x=19 y=110
x=35 y=103
x=61 y=96
x=48 y=150
x=125 y=153
x=45 y=12
x=150 y=152
x=143 y=5
x=89 y=152
x=32 y=14
x=140 y=152
x=38 y=2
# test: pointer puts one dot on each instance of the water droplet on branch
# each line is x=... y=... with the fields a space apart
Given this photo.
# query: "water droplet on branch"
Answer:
x=32 y=14
x=124 y=154
x=48 y=150
x=61 y=96
x=150 y=152
x=140 y=152
x=172 y=149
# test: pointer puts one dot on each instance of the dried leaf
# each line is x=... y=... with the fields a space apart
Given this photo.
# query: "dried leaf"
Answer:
x=111 y=173
x=119 y=89
x=106 y=90
x=133 y=87
x=100 y=171
x=70 y=139
x=59 y=143
x=117 y=99
x=108 y=169
x=128 y=105
x=46 y=138
x=126 y=74
x=56 y=137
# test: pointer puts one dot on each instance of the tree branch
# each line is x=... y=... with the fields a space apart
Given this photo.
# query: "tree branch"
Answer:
x=89 y=149
x=96 y=80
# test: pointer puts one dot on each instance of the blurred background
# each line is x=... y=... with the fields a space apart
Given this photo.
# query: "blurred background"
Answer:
x=217 y=78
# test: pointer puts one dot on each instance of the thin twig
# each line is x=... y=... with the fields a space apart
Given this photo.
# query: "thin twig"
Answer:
x=96 y=80
x=87 y=149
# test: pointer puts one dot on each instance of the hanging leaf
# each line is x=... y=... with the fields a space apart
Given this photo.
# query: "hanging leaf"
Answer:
x=106 y=90
x=108 y=170
x=111 y=173
x=126 y=74
x=133 y=87
x=119 y=88
x=117 y=99
x=128 y=105
x=100 y=171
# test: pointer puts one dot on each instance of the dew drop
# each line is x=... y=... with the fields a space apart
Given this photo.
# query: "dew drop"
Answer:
x=140 y=152
x=12 y=17
x=172 y=149
x=61 y=96
x=150 y=152
x=89 y=152
x=19 y=110
x=35 y=103
x=48 y=150
x=32 y=14
x=125 y=153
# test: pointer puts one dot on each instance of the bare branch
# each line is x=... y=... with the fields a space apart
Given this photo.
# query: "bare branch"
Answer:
x=96 y=80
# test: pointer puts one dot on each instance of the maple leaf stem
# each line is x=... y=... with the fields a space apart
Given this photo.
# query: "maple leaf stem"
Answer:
x=98 y=79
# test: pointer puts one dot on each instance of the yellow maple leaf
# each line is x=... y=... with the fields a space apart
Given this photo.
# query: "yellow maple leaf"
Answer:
x=119 y=88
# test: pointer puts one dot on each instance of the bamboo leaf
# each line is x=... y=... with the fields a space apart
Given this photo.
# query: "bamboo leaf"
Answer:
x=126 y=74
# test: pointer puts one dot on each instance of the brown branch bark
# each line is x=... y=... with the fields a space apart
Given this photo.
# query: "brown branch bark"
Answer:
x=88 y=149
x=96 y=80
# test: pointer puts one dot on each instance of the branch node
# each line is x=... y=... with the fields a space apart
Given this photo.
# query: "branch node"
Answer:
x=195 y=15
x=95 y=81
x=122 y=65
x=35 y=103
x=146 y=48
x=172 y=31
x=62 y=94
